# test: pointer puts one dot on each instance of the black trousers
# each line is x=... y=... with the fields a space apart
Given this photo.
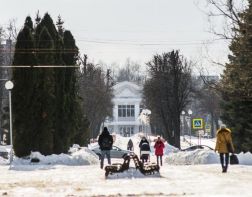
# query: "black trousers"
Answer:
x=224 y=159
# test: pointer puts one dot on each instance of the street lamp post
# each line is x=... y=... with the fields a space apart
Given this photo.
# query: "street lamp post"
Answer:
x=9 y=85
x=183 y=124
x=190 y=118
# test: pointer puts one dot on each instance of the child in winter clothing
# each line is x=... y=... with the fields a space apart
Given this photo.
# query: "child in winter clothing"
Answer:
x=130 y=145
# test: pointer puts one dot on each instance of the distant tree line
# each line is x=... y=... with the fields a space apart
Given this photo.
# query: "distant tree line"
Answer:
x=131 y=71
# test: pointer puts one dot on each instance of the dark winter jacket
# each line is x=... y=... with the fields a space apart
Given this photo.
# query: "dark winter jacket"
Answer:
x=130 y=144
x=159 y=148
x=105 y=136
x=144 y=145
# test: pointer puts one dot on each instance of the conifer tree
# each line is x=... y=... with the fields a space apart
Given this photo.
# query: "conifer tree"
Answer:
x=23 y=91
x=74 y=112
x=236 y=84
x=44 y=100
x=61 y=135
x=47 y=112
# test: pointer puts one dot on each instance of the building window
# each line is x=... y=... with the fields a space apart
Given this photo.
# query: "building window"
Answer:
x=126 y=110
x=126 y=131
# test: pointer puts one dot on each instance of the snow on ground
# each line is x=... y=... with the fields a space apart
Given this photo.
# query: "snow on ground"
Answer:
x=78 y=174
x=132 y=173
x=182 y=180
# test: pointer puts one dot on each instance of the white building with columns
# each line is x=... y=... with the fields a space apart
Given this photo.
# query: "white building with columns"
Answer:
x=127 y=108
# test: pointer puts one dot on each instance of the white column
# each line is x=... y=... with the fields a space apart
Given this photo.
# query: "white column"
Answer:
x=137 y=111
x=115 y=112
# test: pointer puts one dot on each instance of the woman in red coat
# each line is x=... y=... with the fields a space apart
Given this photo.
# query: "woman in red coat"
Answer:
x=159 y=150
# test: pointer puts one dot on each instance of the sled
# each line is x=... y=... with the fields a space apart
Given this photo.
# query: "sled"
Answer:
x=118 y=167
x=146 y=169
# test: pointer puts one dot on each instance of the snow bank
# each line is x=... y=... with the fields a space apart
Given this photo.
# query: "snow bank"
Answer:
x=245 y=158
x=79 y=156
x=3 y=149
x=192 y=157
x=4 y=161
x=203 y=157
x=93 y=145
x=4 y=152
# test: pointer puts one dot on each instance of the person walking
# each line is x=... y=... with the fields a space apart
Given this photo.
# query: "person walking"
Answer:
x=144 y=150
x=105 y=142
x=224 y=146
x=159 y=150
x=130 y=145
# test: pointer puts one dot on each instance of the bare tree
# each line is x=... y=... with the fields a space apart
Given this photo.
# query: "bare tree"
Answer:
x=229 y=11
x=96 y=94
x=130 y=72
x=223 y=18
x=167 y=92
x=209 y=103
x=12 y=31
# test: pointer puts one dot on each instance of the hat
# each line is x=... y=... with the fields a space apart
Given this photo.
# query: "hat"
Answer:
x=223 y=126
x=105 y=129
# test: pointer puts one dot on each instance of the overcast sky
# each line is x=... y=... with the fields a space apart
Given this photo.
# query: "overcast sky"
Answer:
x=114 y=30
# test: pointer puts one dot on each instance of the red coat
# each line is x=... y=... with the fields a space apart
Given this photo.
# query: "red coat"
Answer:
x=159 y=148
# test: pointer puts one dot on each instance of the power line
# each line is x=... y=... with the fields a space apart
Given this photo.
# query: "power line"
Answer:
x=40 y=66
x=139 y=43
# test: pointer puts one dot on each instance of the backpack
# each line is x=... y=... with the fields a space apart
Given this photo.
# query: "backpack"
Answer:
x=106 y=143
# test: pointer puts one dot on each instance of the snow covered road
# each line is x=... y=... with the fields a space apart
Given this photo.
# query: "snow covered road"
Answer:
x=181 y=180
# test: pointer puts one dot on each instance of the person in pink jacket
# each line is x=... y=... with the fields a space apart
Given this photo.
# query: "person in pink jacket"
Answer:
x=159 y=150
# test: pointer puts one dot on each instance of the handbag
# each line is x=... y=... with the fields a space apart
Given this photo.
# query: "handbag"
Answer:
x=234 y=159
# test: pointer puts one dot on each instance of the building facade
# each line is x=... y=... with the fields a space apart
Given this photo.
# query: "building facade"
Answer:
x=127 y=108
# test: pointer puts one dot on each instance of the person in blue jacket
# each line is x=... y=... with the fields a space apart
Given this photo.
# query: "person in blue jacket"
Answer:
x=144 y=149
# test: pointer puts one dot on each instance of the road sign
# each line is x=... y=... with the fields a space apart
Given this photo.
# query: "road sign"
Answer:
x=197 y=123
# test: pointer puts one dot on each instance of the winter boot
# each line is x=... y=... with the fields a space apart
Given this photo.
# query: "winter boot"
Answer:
x=224 y=169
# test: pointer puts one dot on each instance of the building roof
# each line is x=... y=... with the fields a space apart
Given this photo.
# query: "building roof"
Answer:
x=127 y=89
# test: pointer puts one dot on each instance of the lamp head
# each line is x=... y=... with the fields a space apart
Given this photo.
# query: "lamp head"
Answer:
x=9 y=85
x=190 y=112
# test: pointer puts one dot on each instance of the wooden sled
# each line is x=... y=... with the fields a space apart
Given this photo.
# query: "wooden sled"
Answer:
x=146 y=169
x=118 y=167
